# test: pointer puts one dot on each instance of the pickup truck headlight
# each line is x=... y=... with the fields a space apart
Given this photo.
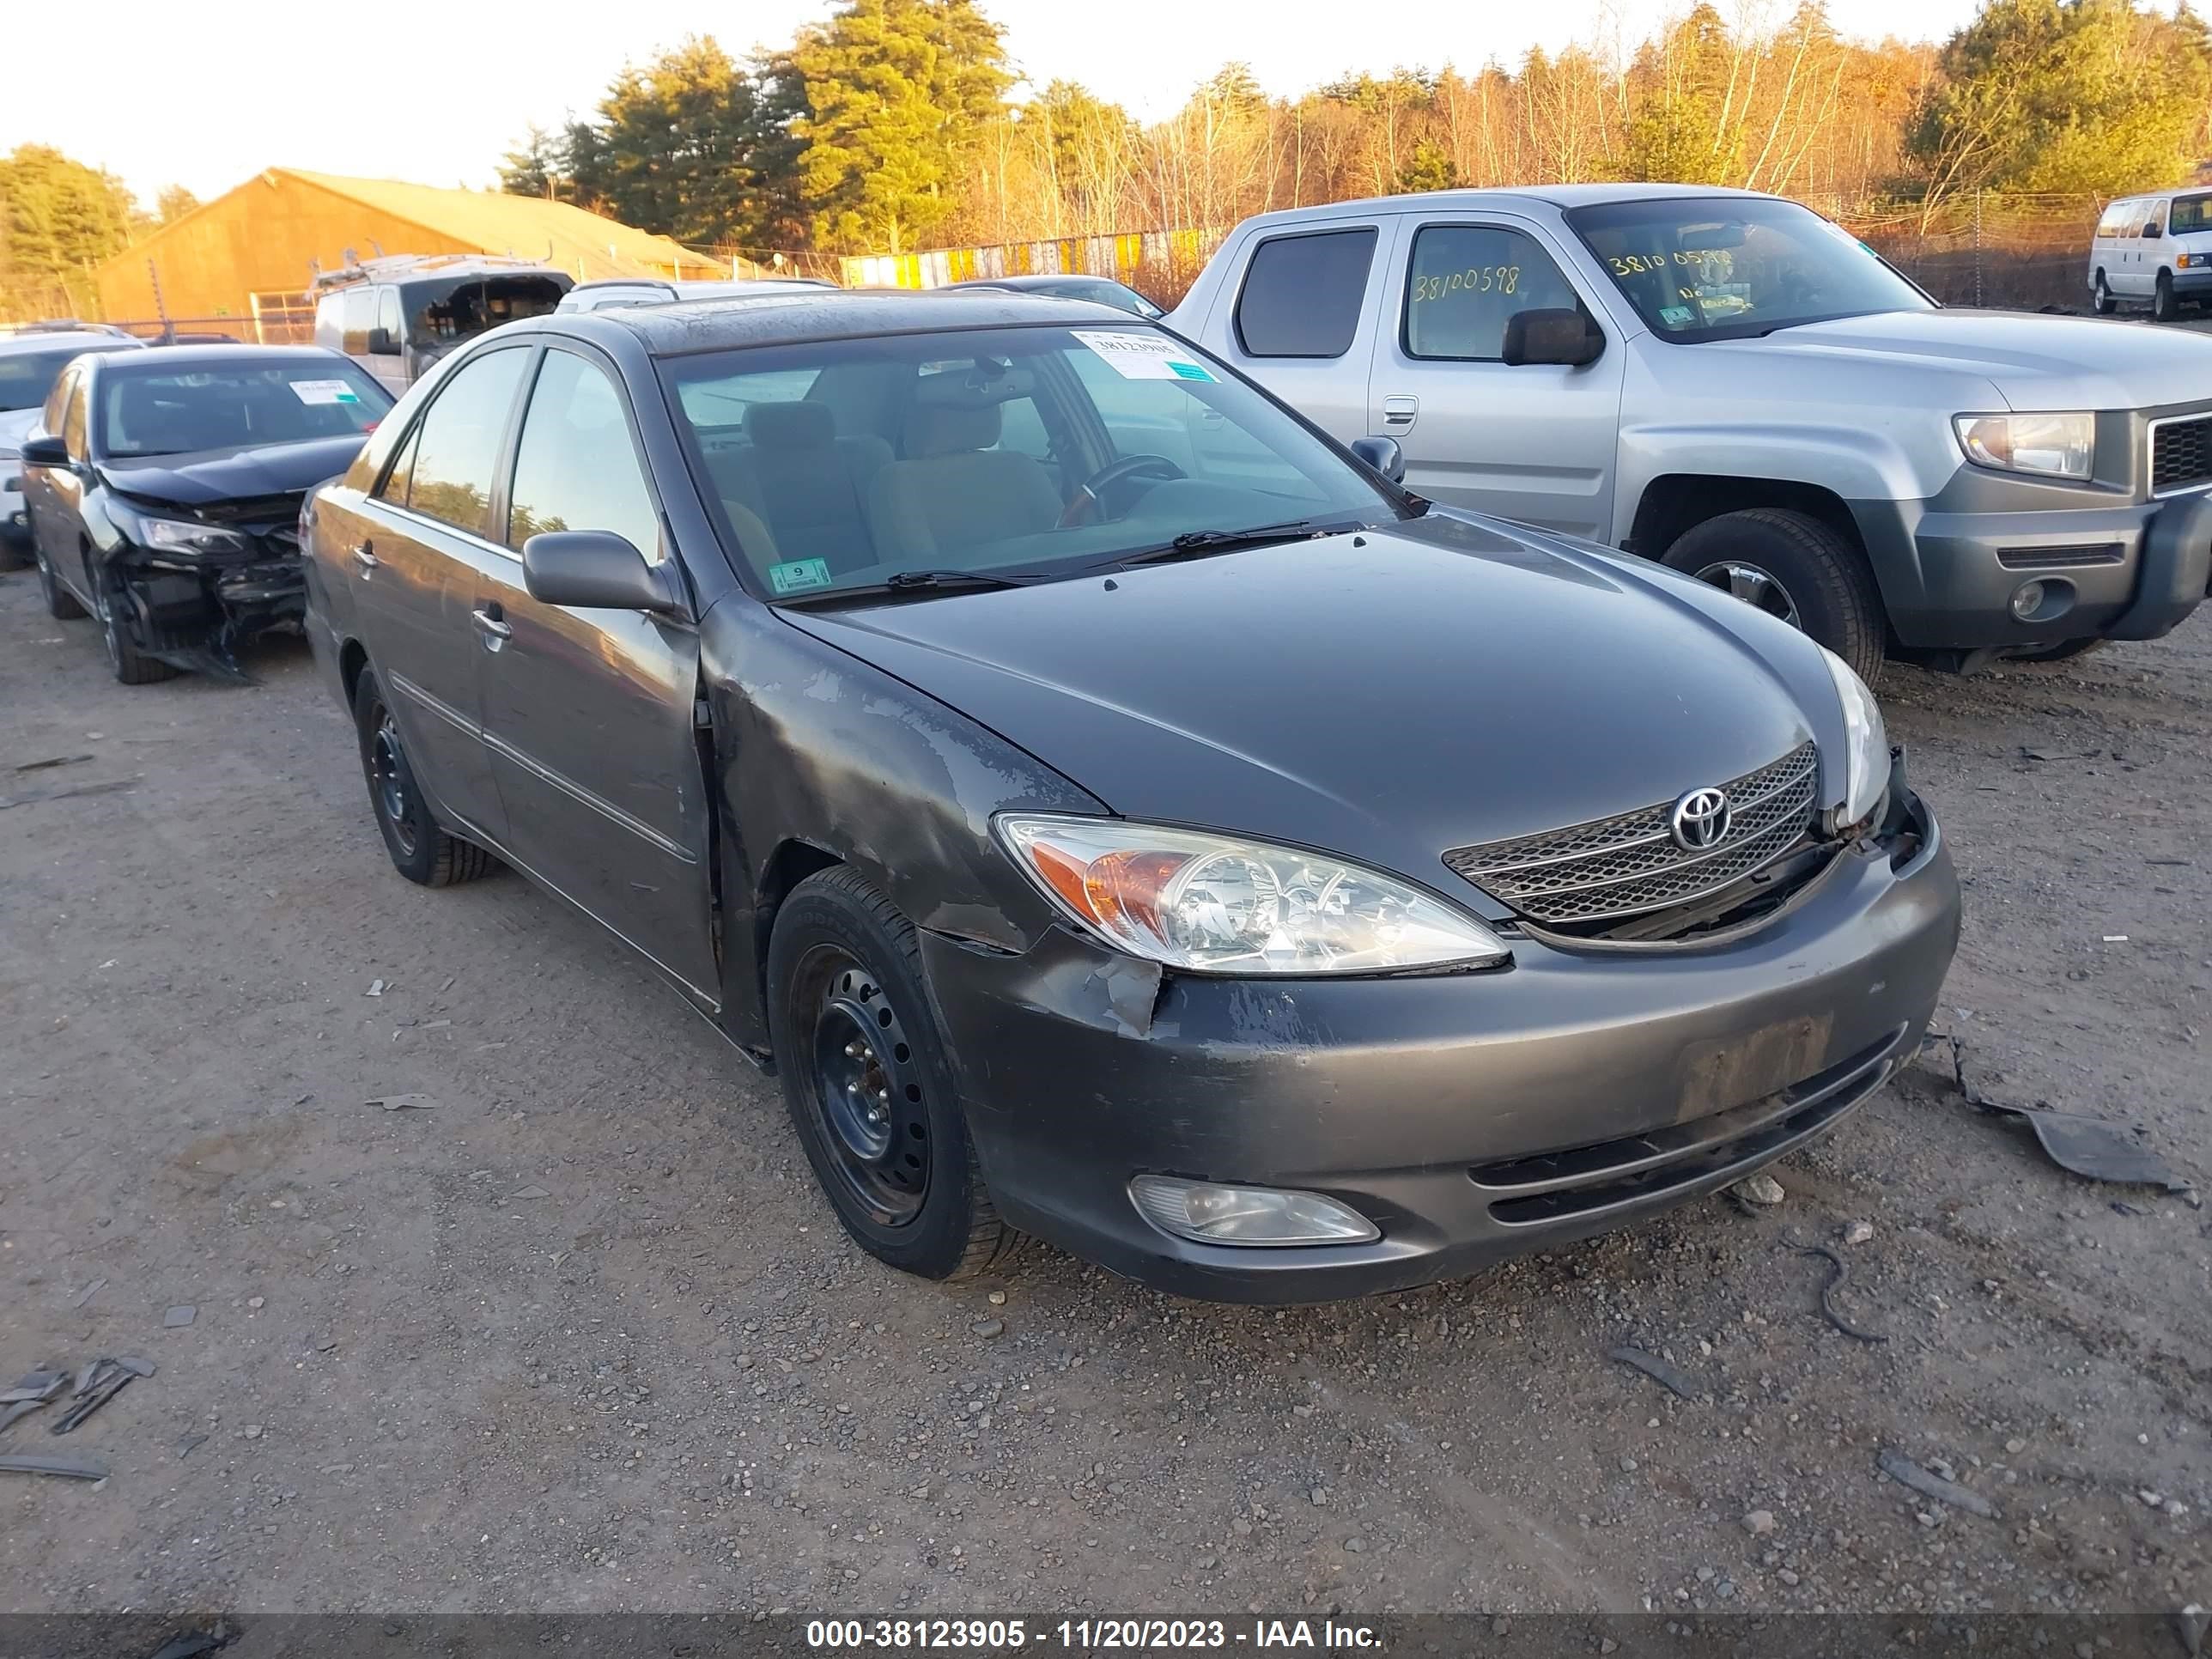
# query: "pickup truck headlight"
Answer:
x=1220 y=904
x=1866 y=741
x=180 y=536
x=2048 y=446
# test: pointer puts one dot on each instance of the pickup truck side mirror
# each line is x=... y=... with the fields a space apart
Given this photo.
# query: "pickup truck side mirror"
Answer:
x=1560 y=335
x=596 y=570
x=45 y=450
x=1382 y=455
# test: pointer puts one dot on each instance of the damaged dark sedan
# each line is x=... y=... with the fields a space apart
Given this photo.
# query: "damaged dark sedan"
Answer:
x=1117 y=813
x=164 y=494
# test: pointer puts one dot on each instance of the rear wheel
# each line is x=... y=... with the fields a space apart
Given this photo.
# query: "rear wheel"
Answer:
x=61 y=603
x=2163 y=306
x=420 y=848
x=1797 y=570
x=869 y=1082
x=125 y=660
x=2101 y=297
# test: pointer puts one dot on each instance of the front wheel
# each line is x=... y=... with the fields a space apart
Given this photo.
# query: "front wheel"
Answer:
x=420 y=848
x=2163 y=306
x=61 y=603
x=2101 y=297
x=869 y=1081
x=130 y=666
x=1796 y=568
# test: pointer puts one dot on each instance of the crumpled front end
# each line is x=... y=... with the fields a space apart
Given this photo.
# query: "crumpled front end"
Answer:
x=192 y=590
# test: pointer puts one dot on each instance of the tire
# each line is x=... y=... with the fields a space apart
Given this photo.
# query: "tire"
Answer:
x=2101 y=297
x=130 y=666
x=890 y=1146
x=1823 y=579
x=61 y=603
x=2066 y=651
x=420 y=848
x=2163 y=307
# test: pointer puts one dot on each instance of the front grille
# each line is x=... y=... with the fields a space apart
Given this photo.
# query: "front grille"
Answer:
x=1626 y=866
x=255 y=510
x=2181 y=453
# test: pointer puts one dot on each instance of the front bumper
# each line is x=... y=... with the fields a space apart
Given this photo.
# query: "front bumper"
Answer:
x=196 y=613
x=1471 y=1117
x=2129 y=571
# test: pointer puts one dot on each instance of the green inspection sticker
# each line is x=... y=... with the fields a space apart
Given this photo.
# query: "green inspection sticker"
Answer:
x=798 y=575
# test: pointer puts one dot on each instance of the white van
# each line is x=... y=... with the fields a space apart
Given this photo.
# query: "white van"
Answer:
x=2154 y=248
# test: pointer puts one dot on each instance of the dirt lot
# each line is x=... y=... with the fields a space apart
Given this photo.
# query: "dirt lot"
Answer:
x=582 y=1336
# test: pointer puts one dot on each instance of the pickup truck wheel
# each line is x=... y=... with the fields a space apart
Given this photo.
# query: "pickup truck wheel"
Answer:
x=61 y=603
x=2163 y=306
x=2101 y=297
x=130 y=666
x=421 y=849
x=1796 y=568
x=868 y=1080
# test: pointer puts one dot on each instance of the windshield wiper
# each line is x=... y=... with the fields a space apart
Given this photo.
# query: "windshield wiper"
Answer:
x=1193 y=543
x=915 y=583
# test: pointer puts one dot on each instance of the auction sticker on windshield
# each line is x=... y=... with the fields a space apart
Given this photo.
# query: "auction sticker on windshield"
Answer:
x=324 y=392
x=797 y=575
x=1143 y=357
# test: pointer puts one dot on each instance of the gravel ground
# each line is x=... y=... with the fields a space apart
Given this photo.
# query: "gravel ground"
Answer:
x=581 y=1335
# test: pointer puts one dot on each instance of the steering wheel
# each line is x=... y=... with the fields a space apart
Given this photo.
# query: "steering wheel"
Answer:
x=1085 y=504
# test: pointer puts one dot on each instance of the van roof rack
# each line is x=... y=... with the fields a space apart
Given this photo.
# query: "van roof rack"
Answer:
x=392 y=266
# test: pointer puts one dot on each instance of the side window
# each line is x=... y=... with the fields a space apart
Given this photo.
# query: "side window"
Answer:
x=49 y=417
x=396 y=482
x=1302 y=294
x=2155 y=225
x=360 y=315
x=73 y=422
x=387 y=316
x=576 y=468
x=2130 y=219
x=1466 y=282
x=456 y=451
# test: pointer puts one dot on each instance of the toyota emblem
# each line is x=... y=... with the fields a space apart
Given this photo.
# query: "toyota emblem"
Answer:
x=1700 y=820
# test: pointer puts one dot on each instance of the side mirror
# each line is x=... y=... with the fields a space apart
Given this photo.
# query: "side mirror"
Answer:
x=595 y=570
x=45 y=450
x=1381 y=455
x=380 y=343
x=2152 y=233
x=1558 y=335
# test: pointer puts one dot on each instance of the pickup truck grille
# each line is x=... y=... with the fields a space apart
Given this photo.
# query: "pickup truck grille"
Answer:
x=1630 y=865
x=2181 y=453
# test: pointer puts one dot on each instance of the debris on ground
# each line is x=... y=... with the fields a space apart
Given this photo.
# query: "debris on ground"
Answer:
x=2193 y=1623
x=1762 y=1189
x=31 y=1392
x=403 y=1103
x=530 y=1192
x=109 y=787
x=375 y=988
x=988 y=1327
x=1859 y=1232
x=2088 y=1146
x=67 y=1469
x=180 y=1316
x=1836 y=1281
x=1759 y=1522
x=1906 y=1473
x=189 y=1644
x=50 y=761
x=97 y=1384
x=1676 y=1382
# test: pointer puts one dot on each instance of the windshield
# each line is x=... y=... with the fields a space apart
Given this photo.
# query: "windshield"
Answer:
x=456 y=308
x=1722 y=267
x=2191 y=215
x=25 y=377
x=1014 y=454
x=180 y=410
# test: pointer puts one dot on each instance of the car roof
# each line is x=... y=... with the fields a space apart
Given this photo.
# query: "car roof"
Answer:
x=1525 y=196
x=804 y=313
x=83 y=338
x=1036 y=279
x=217 y=353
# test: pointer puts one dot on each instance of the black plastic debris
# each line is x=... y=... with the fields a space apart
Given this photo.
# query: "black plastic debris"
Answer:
x=2099 y=1150
x=50 y=761
x=1906 y=1473
x=189 y=1644
x=66 y=1469
x=1837 y=1280
x=97 y=1384
x=1675 y=1382
x=30 y=1392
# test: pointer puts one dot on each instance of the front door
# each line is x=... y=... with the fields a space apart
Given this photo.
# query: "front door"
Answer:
x=1533 y=443
x=416 y=560
x=588 y=715
x=54 y=495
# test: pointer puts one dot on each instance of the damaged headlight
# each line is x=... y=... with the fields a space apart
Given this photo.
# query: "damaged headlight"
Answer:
x=180 y=536
x=1220 y=904
x=1866 y=741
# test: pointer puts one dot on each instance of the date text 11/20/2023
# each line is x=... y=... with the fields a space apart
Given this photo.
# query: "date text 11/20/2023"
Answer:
x=1084 y=1635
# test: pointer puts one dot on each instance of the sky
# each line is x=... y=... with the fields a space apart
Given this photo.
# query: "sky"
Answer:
x=458 y=83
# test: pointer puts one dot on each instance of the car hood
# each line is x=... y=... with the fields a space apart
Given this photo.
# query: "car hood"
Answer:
x=1388 y=695
x=2032 y=361
x=15 y=425
x=229 y=475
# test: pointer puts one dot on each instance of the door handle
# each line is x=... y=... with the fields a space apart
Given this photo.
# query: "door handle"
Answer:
x=486 y=619
x=364 y=555
x=1398 y=411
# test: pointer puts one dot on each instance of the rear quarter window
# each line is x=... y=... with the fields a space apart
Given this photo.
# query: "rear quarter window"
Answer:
x=1301 y=294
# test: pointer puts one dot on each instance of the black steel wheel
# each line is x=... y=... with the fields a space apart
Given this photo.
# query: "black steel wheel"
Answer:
x=61 y=603
x=130 y=666
x=420 y=847
x=869 y=1083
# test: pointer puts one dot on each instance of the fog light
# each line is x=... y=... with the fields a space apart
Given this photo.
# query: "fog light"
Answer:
x=2026 y=600
x=1206 y=1213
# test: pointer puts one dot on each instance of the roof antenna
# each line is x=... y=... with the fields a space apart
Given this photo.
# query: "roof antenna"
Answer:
x=378 y=245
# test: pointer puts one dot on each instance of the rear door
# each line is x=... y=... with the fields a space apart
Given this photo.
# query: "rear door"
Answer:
x=58 y=513
x=588 y=715
x=416 y=566
x=1533 y=443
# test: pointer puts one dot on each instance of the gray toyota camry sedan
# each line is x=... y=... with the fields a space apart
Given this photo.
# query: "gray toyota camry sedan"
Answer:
x=1113 y=811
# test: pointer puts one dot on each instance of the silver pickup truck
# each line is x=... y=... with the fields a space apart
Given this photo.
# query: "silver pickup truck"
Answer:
x=1729 y=383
